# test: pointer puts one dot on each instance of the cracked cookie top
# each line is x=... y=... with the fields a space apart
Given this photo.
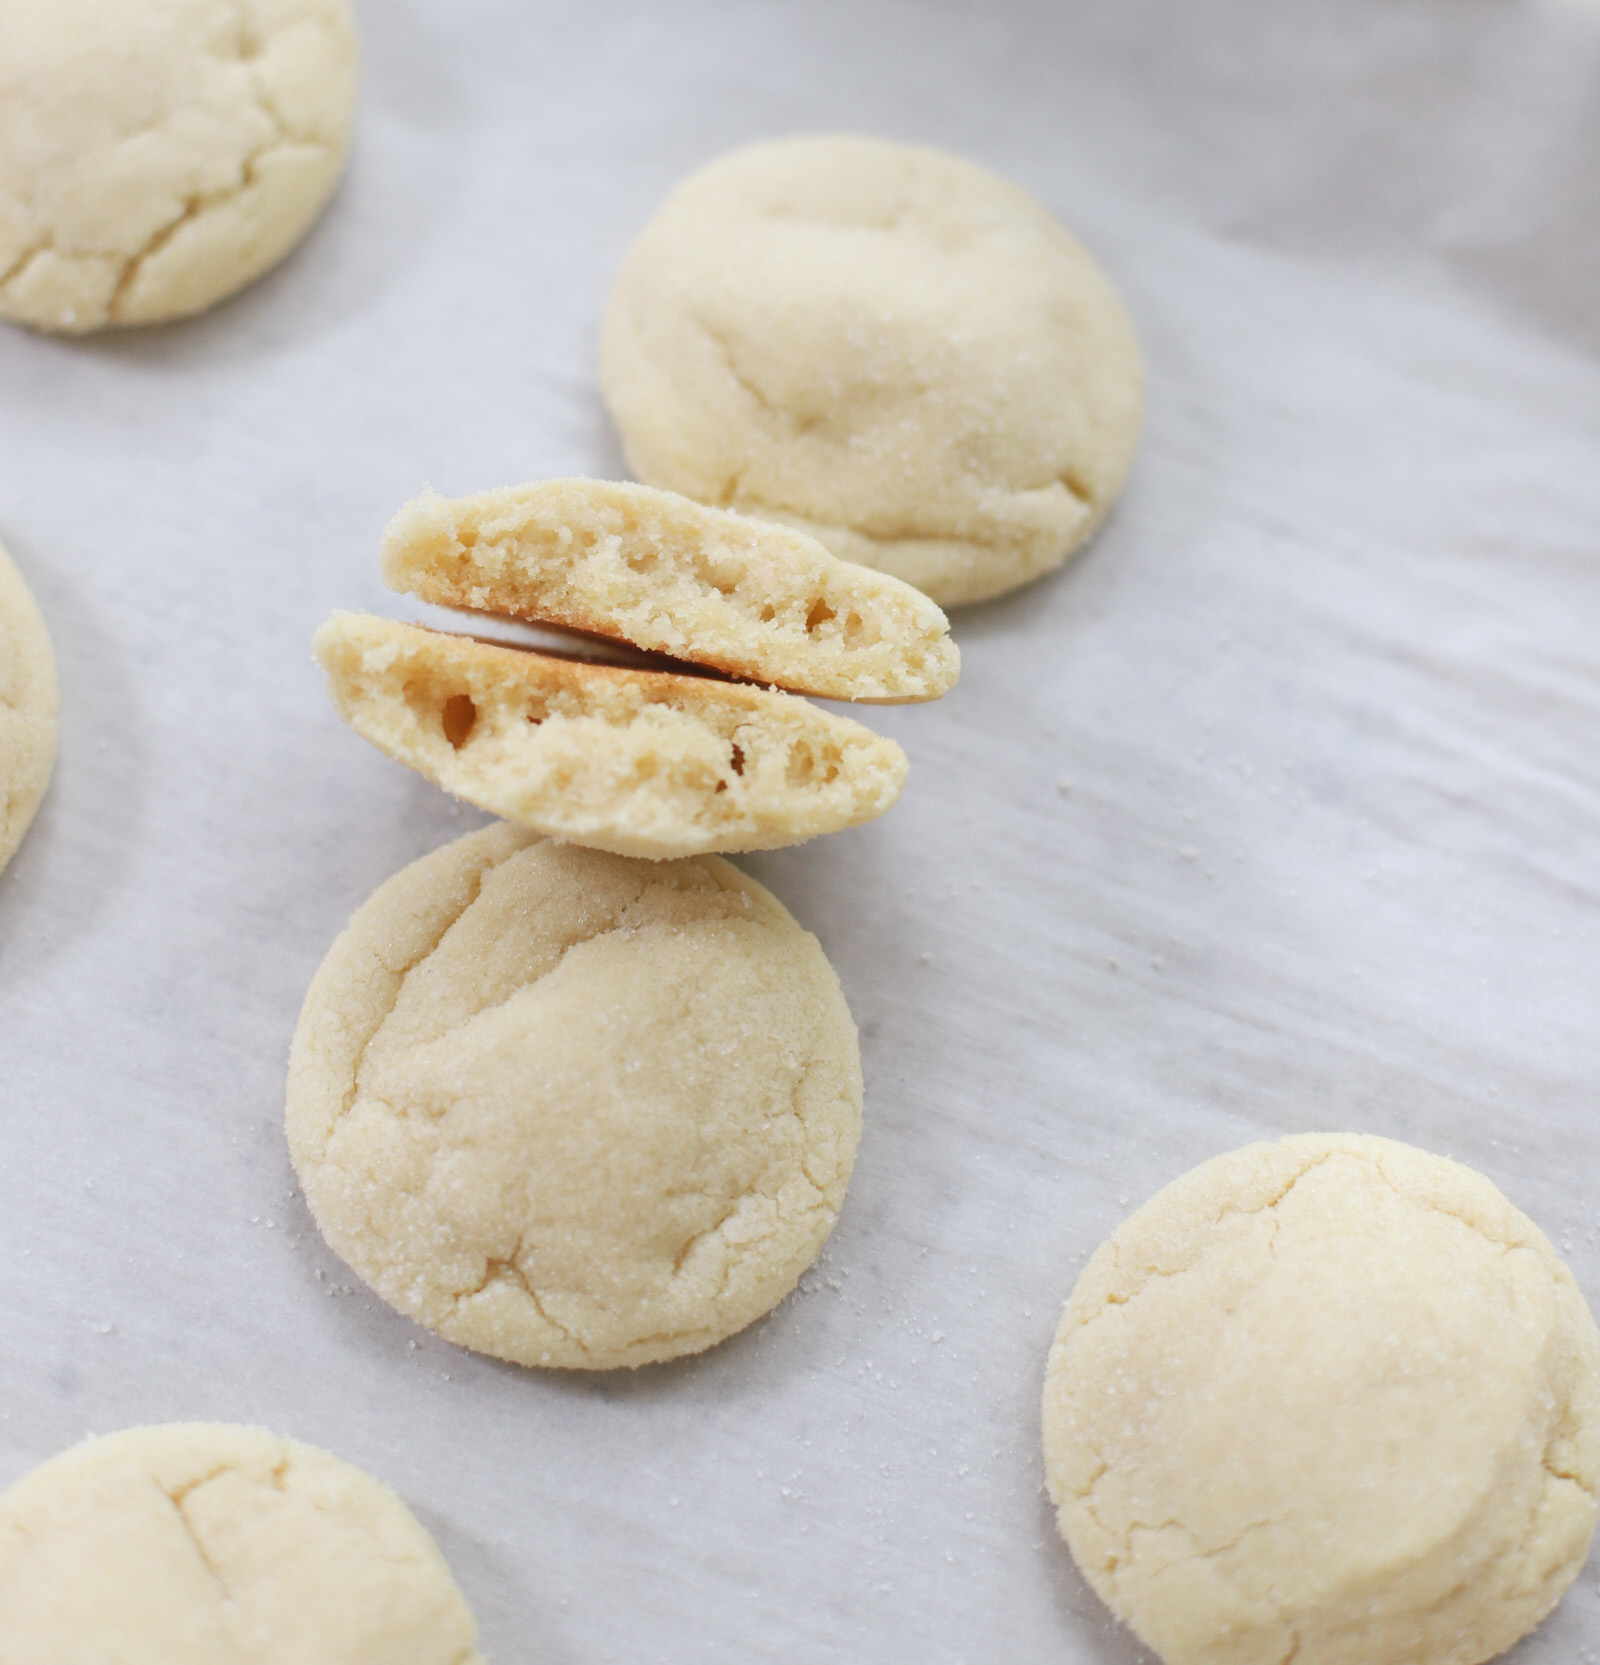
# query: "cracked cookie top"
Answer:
x=206 y=1544
x=888 y=347
x=28 y=704
x=1331 y=1400
x=157 y=155
x=575 y=1109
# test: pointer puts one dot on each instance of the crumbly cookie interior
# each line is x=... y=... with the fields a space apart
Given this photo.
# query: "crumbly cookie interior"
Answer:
x=635 y=762
x=653 y=568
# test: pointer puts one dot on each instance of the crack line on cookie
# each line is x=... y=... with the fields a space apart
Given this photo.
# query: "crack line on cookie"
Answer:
x=353 y=1091
x=1428 y=1205
x=1076 y=489
x=1589 y=1491
x=502 y=1268
x=724 y=350
x=1117 y=1298
x=195 y=208
x=177 y=1497
x=697 y=1238
x=181 y=1511
x=24 y=260
x=284 y=135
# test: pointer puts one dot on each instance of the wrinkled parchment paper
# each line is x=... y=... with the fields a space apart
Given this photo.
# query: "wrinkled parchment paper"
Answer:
x=1279 y=810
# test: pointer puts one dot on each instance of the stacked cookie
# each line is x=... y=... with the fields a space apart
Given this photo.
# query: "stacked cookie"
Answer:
x=711 y=754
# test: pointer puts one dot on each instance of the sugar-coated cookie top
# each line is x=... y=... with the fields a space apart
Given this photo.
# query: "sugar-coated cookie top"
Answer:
x=28 y=705
x=157 y=155
x=890 y=347
x=1332 y=1399
x=206 y=1544
x=574 y=1109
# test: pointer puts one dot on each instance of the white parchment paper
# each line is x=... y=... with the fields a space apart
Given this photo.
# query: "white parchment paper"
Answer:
x=1279 y=810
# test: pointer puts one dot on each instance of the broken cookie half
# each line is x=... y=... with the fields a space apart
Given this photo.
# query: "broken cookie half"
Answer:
x=708 y=754
x=746 y=597
x=640 y=763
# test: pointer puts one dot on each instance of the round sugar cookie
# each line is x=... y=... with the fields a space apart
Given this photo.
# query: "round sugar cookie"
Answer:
x=157 y=155
x=208 y=1544
x=572 y=1108
x=888 y=347
x=28 y=708
x=1332 y=1399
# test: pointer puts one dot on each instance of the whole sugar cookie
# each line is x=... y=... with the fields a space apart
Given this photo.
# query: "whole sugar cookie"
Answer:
x=28 y=705
x=207 y=1544
x=157 y=155
x=641 y=763
x=573 y=1109
x=1331 y=1400
x=890 y=348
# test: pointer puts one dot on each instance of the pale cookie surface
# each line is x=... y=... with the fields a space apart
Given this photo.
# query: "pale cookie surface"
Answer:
x=208 y=1544
x=572 y=1109
x=649 y=567
x=888 y=347
x=1331 y=1400
x=641 y=763
x=157 y=155
x=28 y=708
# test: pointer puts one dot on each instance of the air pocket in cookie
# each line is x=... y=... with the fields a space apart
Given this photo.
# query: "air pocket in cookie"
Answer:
x=641 y=763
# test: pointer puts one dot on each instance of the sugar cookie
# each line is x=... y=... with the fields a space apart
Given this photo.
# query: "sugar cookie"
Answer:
x=669 y=575
x=157 y=155
x=1333 y=1400
x=888 y=347
x=28 y=704
x=207 y=1544
x=642 y=763
x=572 y=1109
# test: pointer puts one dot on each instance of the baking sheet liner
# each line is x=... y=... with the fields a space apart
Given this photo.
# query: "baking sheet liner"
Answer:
x=1279 y=810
